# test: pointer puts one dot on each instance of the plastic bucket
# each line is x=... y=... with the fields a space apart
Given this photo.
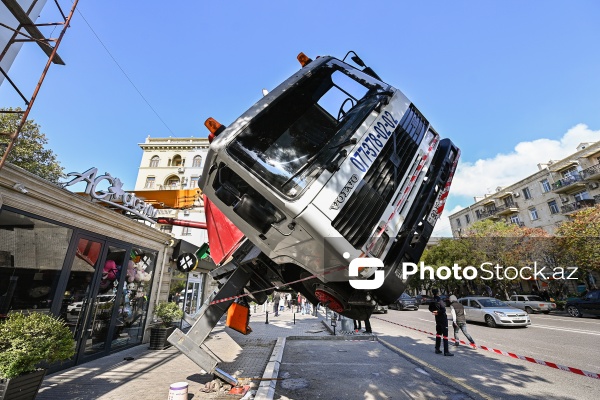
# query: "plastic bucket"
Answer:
x=178 y=391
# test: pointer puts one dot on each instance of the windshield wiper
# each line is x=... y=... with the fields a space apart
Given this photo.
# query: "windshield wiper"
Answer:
x=332 y=165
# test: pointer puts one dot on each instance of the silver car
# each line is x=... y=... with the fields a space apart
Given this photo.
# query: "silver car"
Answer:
x=493 y=312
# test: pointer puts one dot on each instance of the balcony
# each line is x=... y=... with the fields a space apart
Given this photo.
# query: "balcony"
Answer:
x=592 y=172
x=568 y=184
x=507 y=209
x=578 y=205
x=487 y=213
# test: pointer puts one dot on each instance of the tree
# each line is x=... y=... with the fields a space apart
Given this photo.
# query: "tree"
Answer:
x=508 y=247
x=581 y=241
x=29 y=152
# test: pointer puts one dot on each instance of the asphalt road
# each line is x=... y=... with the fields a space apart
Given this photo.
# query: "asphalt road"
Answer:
x=573 y=342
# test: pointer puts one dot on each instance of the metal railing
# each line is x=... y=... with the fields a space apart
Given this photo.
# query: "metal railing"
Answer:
x=593 y=170
x=578 y=205
x=567 y=181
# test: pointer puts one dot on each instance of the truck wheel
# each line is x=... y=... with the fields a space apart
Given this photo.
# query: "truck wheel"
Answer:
x=489 y=320
x=529 y=310
x=546 y=312
x=574 y=311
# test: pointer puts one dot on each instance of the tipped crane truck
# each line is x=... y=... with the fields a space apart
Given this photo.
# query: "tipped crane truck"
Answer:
x=325 y=187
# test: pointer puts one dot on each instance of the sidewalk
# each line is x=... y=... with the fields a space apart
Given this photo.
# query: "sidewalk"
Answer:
x=150 y=373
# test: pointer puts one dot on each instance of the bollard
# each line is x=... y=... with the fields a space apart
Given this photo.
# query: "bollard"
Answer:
x=267 y=317
x=294 y=318
x=178 y=391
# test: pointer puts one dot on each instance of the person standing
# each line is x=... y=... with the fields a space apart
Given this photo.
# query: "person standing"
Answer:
x=276 y=298
x=459 y=319
x=438 y=308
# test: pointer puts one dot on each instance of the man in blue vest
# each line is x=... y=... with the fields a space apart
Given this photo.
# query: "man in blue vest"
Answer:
x=438 y=308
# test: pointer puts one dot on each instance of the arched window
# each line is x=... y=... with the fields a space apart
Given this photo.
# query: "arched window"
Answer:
x=197 y=161
x=154 y=161
x=177 y=162
x=172 y=182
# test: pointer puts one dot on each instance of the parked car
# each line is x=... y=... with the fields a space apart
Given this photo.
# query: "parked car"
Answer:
x=588 y=304
x=379 y=309
x=423 y=299
x=531 y=303
x=75 y=308
x=405 y=302
x=493 y=312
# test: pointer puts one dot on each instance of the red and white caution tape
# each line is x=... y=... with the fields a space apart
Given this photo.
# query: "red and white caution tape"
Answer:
x=505 y=353
x=276 y=287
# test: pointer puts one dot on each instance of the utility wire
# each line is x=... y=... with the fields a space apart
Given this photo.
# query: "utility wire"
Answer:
x=124 y=73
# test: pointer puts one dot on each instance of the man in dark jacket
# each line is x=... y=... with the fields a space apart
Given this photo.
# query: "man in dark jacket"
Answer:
x=438 y=308
x=459 y=319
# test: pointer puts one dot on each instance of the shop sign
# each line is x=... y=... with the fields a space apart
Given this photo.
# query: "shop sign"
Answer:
x=126 y=201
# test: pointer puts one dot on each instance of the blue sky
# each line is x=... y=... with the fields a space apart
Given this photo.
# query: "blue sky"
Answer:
x=487 y=74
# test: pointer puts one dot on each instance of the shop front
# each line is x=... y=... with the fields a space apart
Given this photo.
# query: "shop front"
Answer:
x=101 y=271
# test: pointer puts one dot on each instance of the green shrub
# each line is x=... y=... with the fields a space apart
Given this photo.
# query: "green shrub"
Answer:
x=27 y=340
x=168 y=312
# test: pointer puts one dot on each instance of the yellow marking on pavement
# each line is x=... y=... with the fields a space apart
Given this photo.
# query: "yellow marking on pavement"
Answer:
x=437 y=370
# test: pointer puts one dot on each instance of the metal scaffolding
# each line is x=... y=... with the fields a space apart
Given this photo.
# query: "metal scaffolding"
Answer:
x=28 y=31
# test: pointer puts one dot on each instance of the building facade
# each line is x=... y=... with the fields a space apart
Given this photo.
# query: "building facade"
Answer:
x=170 y=169
x=64 y=254
x=544 y=199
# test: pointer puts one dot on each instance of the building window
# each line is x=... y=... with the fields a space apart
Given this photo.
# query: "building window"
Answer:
x=150 y=182
x=154 y=161
x=197 y=162
x=166 y=228
x=173 y=183
x=545 y=186
x=177 y=161
x=467 y=218
x=515 y=219
x=194 y=182
x=526 y=193
x=458 y=222
x=570 y=173
x=533 y=214
x=583 y=195
x=553 y=207
x=187 y=231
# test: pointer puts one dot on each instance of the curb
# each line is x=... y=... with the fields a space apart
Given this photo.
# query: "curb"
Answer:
x=266 y=389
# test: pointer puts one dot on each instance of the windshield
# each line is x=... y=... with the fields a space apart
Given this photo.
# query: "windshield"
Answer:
x=405 y=296
x=293 y=139
x=492 y=303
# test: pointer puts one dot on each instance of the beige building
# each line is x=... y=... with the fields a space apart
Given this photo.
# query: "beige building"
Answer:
x=168 y=178
x=544 y=199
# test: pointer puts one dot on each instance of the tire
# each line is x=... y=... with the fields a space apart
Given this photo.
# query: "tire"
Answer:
x=574 y=311
x=529 y=310
x=489 y=321
x=546 y=312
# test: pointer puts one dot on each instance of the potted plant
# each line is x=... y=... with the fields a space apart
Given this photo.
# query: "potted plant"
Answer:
x=167 y=312
x=25 y=342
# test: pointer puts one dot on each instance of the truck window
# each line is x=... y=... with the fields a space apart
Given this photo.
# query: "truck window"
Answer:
x=291 y=141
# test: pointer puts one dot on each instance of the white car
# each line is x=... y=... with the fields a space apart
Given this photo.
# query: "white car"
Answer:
x=493 y=312
x=75 y=308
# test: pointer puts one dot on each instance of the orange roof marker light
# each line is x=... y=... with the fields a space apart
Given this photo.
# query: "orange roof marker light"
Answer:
x=304 y=59
x=214 y=127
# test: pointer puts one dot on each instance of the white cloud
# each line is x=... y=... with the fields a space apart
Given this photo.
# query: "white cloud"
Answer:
x=484 y=176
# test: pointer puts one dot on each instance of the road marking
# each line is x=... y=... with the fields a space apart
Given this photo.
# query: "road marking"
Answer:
x=556 y=328
x=578 y=320
x=431 y=367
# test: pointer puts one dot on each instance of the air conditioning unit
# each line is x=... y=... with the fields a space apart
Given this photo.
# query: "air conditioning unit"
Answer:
x=181 y=170
x=594 y=185
x=184 y=181
x=517 y=194
x=564 y=199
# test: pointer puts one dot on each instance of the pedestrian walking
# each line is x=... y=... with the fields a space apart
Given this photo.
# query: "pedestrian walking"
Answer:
x=459 y=320
x=276 y=299
x=438 y=308
x=357 y=325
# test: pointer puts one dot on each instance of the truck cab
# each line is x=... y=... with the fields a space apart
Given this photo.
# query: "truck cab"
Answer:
x=331 y=166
